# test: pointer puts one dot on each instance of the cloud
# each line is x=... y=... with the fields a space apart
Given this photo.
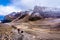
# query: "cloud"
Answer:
x=4 y=10
x=29 y=4
x=17 y=5
x=24 y=4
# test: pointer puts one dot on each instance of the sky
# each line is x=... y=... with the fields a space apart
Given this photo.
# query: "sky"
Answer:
x=8 y=6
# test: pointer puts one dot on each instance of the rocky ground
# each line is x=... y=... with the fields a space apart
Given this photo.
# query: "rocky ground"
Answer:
x=32 y=30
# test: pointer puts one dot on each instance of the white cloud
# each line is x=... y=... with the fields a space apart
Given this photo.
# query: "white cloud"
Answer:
x=28 y=4
x=24 y=4
x=4 y=10
x=18 y=5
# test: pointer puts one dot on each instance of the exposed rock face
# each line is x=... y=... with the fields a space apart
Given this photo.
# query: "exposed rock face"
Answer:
x=9 y=17
x=37 y=13
x=14 y=15
x=8 y=32
x=47 y=12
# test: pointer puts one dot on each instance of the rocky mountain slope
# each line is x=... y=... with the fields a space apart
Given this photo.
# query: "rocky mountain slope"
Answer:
x=38 y=11
x=31 y=25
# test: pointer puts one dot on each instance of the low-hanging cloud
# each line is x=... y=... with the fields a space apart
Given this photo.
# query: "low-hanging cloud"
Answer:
x=4 y=10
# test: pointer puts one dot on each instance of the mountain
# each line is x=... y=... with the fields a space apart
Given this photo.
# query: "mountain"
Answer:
x=38 y=24
x=37 y=13
x=47 y=12
x=9 y=17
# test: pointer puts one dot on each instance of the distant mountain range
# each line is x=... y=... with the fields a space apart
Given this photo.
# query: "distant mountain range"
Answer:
x=38 y=11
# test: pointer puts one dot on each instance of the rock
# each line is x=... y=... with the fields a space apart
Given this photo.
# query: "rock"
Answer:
x=47 y=12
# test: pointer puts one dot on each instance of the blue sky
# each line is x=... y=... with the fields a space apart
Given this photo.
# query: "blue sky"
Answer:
x=5 y=2
x=8 y=6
